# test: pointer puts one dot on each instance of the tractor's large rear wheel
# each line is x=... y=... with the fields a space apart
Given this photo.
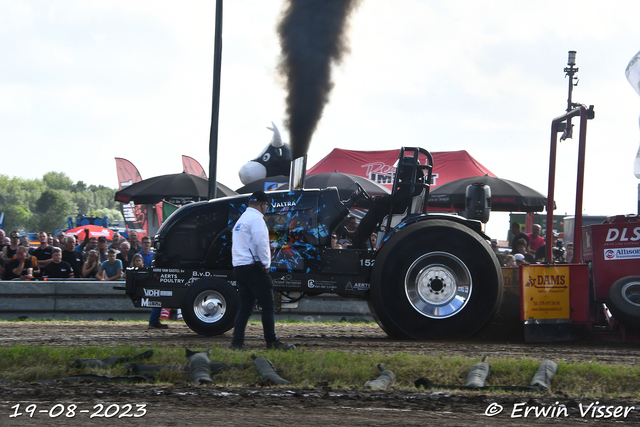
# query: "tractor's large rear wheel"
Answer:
x=435 y=279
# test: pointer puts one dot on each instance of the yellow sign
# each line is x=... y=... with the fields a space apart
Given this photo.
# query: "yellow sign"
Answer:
x=545 y=292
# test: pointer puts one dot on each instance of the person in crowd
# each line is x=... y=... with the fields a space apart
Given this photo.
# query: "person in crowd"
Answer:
x=517 y=234
x=346 y=231
x=34 y=260
x=57 y=268
x=111 y=269
x=520 y=259
x=251 y=259
x=133 y=241
x=146 y=252
x=103 y=248
x=568 y=256
x=2 y=237
x=400 y=200
x=335 y=244
x=137 y=261
x=115 y=240
x=56 y=243
x=82 y=245
x=541 y=252
x=494 y=247
x=510 y=261
x=2 y=265
x=20 y=266
x=50 y=240
x=72 y=256
x=123 y=254
x=372 y=241
x=523 y=248
x=44 y=252
x=10 y=250
x=91 y=265
x=535 y=239
x=24 y=241
x=89 y=244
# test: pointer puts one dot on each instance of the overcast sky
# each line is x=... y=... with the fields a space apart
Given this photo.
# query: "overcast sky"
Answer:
x=83 y=82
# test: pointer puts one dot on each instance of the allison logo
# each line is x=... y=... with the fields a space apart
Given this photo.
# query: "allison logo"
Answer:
x=609 y=254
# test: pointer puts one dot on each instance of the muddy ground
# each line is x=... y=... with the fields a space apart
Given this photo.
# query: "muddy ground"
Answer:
x=184 y=404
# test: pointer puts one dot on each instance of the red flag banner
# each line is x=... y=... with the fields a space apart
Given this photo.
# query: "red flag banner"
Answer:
x=135 y=216
x=192 y=166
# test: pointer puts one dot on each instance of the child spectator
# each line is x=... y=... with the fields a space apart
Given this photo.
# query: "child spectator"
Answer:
x=57 y=269
x=111 y=269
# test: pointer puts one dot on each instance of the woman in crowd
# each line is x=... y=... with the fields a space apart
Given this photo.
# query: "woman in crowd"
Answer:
x=92 y=265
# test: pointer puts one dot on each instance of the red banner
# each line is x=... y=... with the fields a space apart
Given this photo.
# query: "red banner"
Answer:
x=135 y=216
x=191 y=166
x=378 y=166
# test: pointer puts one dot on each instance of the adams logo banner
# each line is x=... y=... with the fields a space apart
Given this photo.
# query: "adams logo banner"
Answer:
x=545 y=292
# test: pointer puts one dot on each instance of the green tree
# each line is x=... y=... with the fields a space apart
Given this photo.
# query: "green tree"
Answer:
x=55 y=210
x=17 y=218
x=57 y=181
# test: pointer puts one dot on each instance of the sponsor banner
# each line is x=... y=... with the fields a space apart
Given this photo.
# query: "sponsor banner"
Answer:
x=192 y=166
x=157 y=293
x=169 y=278
x=135 y=216
x=358 y=286
x=325 y=285
x=621 y=253
x=145 y=302
x=379 y=166
x=545 y=292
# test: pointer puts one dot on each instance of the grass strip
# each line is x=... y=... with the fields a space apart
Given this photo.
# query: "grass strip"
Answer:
x=308 y=368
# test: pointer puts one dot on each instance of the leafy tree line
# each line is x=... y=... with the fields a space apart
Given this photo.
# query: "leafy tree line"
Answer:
x=32 y=205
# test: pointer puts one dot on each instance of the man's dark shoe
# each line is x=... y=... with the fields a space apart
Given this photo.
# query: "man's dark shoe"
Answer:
x=277 y=345
x=158 y=326
x=237 y=347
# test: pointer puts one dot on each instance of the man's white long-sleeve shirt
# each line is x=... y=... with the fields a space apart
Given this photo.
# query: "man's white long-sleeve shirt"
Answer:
x=250 y=240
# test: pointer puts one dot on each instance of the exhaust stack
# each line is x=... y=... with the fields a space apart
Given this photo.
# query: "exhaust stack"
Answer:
x=298 y=173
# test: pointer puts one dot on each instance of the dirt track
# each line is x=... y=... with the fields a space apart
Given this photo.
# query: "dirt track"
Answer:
x=184 y=404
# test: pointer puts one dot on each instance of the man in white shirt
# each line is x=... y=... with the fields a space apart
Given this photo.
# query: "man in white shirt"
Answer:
x=251 y=258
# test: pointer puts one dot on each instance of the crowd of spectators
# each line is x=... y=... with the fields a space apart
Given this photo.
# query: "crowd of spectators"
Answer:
x=70 y=256
x=530 y=248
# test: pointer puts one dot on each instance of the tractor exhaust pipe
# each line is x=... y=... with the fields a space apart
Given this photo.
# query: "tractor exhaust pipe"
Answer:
x=298 y=173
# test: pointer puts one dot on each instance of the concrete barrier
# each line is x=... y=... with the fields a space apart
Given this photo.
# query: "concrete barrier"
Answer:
x=77 y=299
x=67 y=299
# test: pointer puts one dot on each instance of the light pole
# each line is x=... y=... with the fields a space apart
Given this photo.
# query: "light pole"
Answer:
x=570 y=72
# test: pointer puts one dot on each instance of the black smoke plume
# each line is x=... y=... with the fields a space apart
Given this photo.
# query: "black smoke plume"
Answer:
x=312 y=37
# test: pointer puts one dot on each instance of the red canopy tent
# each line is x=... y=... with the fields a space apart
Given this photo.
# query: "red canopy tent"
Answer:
x=378 y=165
